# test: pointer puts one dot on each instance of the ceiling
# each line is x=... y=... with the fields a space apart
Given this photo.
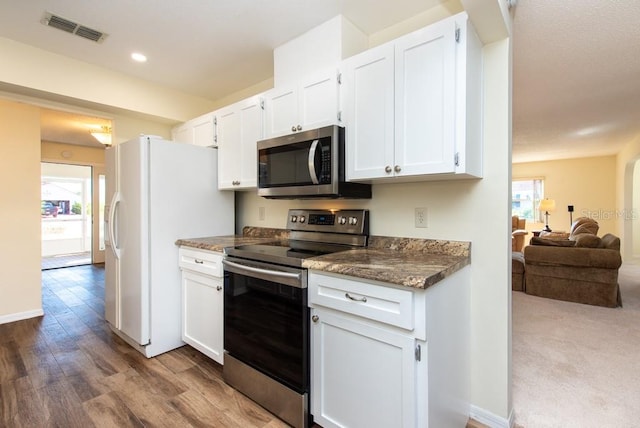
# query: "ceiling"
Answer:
x=576 y=65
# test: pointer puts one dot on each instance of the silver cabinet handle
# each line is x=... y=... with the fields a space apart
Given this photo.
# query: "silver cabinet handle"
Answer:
x=355 y=299
x=315 y=318
x=199 y=261
x=219 y=287
x=387 y=169
x=397 y=168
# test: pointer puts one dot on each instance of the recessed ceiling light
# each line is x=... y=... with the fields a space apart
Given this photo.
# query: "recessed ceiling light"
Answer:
x=138 y=57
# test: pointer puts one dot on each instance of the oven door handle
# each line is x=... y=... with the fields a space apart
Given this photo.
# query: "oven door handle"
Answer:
x=275 y=273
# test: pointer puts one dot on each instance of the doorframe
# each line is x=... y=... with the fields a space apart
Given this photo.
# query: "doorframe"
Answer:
x=97 y=254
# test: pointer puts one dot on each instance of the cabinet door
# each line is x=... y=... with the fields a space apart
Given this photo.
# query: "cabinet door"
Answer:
x=203 y=131
x=425 y=101
x=251 y=130
x=202 y=314
x=229 y=153
x=182 y=134
x=362 y=375
x=281 y=111
x=318 y=100
x=368 y=89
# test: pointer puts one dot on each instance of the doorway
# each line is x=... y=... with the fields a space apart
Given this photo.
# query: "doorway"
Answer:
x=69 y=222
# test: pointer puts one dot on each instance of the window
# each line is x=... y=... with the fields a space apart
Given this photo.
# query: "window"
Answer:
x=526 y=195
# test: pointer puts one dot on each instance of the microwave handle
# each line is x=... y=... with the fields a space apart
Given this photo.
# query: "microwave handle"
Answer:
x=312 y=162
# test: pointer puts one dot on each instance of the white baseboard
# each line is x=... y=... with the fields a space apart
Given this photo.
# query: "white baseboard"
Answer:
x=21 y=316
x=493 y=421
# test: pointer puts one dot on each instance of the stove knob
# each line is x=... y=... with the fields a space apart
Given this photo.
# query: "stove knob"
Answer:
x=294 y=218
x=301 y=219
x=353 y=221
x=342 y=220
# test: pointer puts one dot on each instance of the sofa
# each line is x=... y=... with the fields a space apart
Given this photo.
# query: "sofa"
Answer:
x=582 y=268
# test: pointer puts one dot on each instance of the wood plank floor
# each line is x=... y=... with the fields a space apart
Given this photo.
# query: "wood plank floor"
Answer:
x=67 y=369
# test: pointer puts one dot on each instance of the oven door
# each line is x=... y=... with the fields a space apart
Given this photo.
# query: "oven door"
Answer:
x=266 y=319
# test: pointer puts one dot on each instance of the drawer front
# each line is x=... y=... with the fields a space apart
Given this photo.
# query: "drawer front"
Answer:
x=206 y=262
x=376 y=302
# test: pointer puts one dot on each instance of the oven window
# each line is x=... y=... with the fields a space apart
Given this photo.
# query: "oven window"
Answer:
x=266 y=326
x=289 y=165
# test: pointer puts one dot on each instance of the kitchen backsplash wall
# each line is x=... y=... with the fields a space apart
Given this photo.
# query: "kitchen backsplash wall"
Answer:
x=392 y=209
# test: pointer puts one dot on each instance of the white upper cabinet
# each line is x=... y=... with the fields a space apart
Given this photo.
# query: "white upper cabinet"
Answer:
x=309 y=103
x=198 y=131
x=238 y=128
x=412 y=106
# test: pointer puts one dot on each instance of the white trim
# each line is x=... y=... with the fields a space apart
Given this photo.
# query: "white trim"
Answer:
x=21 y=316
x=491 y=420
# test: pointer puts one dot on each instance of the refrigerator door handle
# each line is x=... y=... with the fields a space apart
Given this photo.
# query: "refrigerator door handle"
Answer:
x=112 y=225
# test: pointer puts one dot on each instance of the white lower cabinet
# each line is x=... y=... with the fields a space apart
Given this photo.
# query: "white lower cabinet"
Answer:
x=366 y=371
x=363 y=375
x=203 y=301
x=384 y=355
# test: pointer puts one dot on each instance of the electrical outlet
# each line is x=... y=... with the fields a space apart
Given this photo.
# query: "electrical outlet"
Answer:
x=421 y=217
x=261 y=213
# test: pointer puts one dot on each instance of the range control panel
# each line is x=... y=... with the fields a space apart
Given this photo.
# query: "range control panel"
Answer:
x=336 y=221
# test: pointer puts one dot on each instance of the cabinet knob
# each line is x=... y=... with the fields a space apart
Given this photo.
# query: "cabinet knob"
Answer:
x=397 y=168
x=315 y=318
x=293 y=128
x=387 y=169
x=219 y=287
x=299 y=128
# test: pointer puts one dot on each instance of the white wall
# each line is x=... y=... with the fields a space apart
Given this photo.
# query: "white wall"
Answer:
x=626 y=162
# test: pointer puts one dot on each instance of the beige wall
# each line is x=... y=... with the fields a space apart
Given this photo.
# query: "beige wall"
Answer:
x=20 y=295
x=71 y=154
x=589 y=184
x=626 y=162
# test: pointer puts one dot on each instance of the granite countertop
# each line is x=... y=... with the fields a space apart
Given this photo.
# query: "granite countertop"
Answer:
x=409 y=262
x=250 y=235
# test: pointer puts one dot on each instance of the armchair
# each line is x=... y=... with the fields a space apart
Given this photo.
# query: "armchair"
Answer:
x=518 y=233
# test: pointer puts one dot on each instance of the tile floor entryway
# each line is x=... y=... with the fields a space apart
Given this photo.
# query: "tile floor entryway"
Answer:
x=66 y=260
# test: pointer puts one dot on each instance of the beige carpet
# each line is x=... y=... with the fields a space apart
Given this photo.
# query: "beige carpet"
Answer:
x=577 y=365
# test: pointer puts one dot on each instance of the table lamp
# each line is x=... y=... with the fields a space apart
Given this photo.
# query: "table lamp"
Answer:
x=547 y=205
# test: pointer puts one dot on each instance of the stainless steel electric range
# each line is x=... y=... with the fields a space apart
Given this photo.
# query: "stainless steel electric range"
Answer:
x=266 y=317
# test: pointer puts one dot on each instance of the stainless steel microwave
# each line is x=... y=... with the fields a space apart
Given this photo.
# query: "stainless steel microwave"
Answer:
x=306 y=165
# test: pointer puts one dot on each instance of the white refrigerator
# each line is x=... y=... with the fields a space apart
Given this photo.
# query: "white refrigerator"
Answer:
x=159 y=191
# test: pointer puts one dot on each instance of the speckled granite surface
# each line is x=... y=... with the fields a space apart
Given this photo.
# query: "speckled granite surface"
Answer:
x=218 y=243
x=416 y=269
x=410 y=262
x=250 y=235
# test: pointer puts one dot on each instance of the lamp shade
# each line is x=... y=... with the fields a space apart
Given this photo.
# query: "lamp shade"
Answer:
x=547 y=205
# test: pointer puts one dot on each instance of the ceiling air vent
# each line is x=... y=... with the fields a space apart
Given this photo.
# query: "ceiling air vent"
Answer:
x=68 y=26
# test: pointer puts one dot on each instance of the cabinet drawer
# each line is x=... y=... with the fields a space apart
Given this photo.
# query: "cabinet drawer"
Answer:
x=206 y=262
x=376 y=302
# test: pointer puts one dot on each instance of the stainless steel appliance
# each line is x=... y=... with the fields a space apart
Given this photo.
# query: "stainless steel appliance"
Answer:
x=266 y=318
x=306 y=165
